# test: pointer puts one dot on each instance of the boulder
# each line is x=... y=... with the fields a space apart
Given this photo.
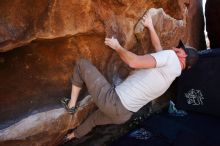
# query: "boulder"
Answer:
x=212 y=14
x=45 y=128
x=40 y=41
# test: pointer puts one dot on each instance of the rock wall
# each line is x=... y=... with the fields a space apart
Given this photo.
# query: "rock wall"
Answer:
x=212 y=14
x=196 y=25
x=45 y=128
x=40 y=41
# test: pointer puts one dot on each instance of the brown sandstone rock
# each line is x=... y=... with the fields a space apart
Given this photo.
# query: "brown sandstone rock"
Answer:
x=45 y=128
x=195 y=27
x=169 y=29
x=50 y=35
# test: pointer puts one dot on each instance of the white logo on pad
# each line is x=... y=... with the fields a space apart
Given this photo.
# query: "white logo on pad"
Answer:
x=194 y=97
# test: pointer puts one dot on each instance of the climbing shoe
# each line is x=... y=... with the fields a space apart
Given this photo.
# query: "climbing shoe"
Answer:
x=65 y=102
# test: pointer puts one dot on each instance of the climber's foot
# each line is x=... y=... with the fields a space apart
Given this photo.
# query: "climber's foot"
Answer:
x=69 y=137
x=65 y=101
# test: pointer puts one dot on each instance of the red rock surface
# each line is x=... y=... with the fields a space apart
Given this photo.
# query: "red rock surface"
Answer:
x=46 y=37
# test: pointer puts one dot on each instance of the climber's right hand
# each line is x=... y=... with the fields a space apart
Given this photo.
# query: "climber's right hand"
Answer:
x=147 y=21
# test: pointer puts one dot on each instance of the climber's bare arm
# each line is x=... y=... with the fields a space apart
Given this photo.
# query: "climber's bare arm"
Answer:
x=133 y=60
x=147 y=22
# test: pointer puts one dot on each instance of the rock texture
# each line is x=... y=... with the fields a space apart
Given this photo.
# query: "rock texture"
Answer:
x=40 y=41
x=45 y=128
x=169 y=29
x=25 y=21
x=212 y=14
x=195 y=21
